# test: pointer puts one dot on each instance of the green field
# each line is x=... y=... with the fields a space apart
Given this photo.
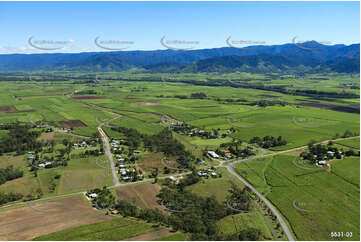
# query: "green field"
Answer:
x=310 y=200
x=234 y=223
x=351 y=143
x=313 y=202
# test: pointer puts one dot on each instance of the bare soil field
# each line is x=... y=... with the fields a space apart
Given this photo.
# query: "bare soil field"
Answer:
x=71 y=123
x=331 y=107
x=89 y=97
x=143 y=195
x=10 y=109
x=27 y=223
x=149 y=103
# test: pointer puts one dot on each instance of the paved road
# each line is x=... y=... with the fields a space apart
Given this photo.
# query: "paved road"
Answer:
x=108 y=152
x=285 y=228
x=230 y=167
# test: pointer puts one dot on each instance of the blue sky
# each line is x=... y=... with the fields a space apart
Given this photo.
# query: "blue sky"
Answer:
x=143 y=24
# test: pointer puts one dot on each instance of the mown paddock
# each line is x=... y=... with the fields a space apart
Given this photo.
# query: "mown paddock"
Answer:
x=315 y=203
x=27 y=223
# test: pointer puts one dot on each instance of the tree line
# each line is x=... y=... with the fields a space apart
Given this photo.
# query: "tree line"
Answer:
x=10 y=173
x=268 y=141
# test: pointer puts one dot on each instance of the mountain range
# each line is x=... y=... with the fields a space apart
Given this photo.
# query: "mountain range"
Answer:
x=306 y=57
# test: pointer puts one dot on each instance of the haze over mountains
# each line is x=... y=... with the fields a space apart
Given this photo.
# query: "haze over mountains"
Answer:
x=306 y=57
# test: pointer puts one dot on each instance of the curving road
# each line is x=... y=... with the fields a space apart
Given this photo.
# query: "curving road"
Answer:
x=285 y=228
x=230 y=167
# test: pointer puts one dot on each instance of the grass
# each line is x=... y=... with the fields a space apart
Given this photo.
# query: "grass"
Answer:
x=111 y=230
x=348 y=169
x=331 y=201
x=234 y=223
x=352 y=143
x=217 y=187
x=276 y=176
x=173 y=237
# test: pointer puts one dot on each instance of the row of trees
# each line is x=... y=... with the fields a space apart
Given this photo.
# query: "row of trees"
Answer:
x=9 y=197
x=268 y=141
x=10 y=173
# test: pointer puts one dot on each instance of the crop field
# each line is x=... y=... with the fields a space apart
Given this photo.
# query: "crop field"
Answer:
x=29 y=222
x=352 y=143
x=314 y=202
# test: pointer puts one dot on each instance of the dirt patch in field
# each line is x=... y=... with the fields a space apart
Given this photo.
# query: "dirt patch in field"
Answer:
x=150 y=235
x=89 y=97
x=143 y=195
x=10 y=109
x=71 y=123
x=148 y=162
x=150 y=103
x=29 y=222
x=345 y=109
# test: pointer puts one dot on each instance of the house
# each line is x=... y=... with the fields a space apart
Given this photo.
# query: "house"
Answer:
x=92 y=195
x=114 y=211
x=137 y=151
x=331 y=153
x=83 y=144
x=172 y=178
x=213 y=174
x=227 y=151
x=30 y=157
x=47 y=164
x=41 y=165
x=213 y=154
x=125 y=178
x=322 y=162
x=202 y=162
x=121 y=166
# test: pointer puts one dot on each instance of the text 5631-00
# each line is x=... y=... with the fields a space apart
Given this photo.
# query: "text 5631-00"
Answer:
x=341 y=234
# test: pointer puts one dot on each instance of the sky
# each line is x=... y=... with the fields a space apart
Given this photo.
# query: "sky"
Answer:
x=49 y=27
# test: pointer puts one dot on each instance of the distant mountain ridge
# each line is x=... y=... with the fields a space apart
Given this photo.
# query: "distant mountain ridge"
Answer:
x=308 y=56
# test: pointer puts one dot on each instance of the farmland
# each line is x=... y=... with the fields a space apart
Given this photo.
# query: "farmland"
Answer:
x=210 y=115
x=313 y=196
